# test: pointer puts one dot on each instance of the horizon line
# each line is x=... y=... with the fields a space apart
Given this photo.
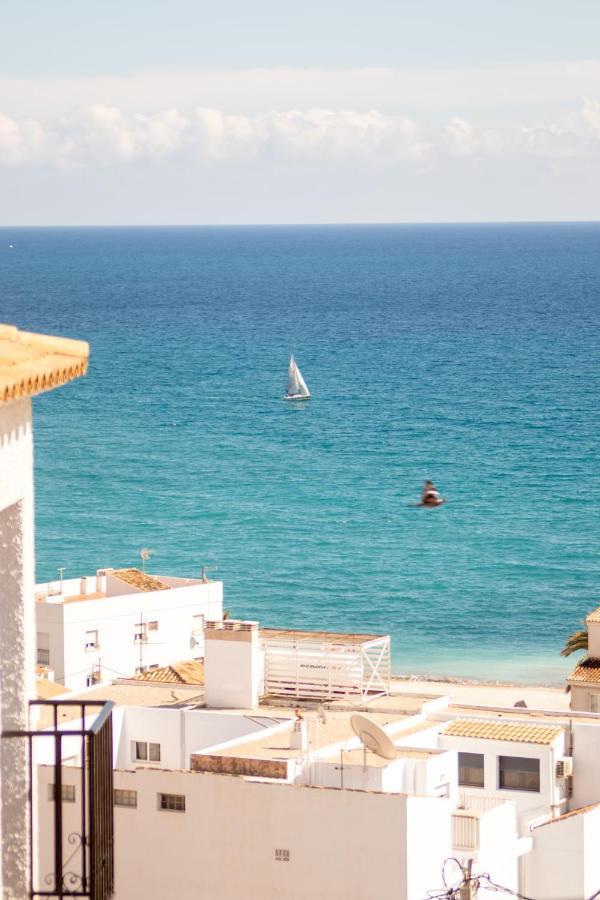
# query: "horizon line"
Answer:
x=441 y=222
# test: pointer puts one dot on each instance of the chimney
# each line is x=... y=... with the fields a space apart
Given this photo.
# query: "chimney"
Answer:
x=231 y=664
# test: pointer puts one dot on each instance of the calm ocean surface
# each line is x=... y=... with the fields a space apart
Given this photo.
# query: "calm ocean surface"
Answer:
x=465 y=354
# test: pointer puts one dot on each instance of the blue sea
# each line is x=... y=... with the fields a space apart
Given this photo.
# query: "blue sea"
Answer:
x=467 y=354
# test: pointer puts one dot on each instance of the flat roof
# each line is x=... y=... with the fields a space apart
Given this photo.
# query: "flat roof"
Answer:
x=331 y=637
x=33 y=363
x=488 y=729
x=320 y=735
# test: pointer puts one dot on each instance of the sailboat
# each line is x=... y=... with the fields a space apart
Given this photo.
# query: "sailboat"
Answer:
x=296 y=385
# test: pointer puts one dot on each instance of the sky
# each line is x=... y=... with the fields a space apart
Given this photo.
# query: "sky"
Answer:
x=148 y=112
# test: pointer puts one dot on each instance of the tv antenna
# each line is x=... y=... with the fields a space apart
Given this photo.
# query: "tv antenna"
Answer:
x=145 y=554
x=205 y=569
x=372 y=737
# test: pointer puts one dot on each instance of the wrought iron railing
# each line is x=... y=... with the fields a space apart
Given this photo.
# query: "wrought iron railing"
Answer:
x=80 y=844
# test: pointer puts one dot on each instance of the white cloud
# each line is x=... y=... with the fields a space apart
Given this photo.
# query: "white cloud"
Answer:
x=100 y=135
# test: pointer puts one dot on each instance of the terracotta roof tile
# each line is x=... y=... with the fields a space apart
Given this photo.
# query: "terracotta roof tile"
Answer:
x=33 y=363
x=594 y=616
x=140 y=580
x=188 y=672
x=587 y=671
x=492 y=730
x=573 y=812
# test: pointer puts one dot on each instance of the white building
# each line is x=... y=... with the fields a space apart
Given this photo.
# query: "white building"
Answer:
x=299 y=808
x=121 y=622
x=29 y=365
x=584 y=681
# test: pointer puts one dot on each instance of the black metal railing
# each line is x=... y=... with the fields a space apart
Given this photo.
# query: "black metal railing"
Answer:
x=71 y=827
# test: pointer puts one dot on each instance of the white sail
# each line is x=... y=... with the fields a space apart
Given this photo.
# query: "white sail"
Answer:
x=296 y=385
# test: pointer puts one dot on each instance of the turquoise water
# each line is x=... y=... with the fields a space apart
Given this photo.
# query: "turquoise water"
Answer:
x=466 y=354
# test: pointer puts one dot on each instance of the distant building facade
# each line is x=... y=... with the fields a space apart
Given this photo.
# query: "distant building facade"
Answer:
x=119 y=623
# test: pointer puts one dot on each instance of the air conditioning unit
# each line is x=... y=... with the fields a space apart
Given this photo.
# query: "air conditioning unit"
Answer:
x=564 y=767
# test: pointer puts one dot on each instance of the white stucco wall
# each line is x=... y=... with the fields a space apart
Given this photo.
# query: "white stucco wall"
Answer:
x=565 y=862
x=180 y=732
x=115 y=619
x=232 y=669
x=528 y=803
x=586 y=765
x=343 y=845
x=17 y=636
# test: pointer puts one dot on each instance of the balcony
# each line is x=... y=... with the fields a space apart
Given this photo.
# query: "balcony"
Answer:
x=79 y=860
x=465 y=830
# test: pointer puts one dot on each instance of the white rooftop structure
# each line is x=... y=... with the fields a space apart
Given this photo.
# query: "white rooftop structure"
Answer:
x=120 y=622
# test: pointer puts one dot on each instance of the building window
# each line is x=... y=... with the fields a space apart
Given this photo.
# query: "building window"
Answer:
x=124 y=798
x=67 y=792
x=594 y=702
x=173 y=802
x=197 y=624
x=152 y=626
x=516 y=773
x=139 y=635
x=43 y=648
x=282 y=855
x=470 y=769
x=91 y=640
x=147 y=752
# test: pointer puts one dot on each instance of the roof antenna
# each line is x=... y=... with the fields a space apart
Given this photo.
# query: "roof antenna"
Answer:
x=145 y=554
x=203 y=576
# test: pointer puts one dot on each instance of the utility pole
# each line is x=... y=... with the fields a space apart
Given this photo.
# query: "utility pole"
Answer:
x=467 y=891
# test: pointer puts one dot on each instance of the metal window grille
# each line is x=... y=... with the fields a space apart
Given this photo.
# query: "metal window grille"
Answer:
x=67 y=793
x=82 y=842
x=124 y=797
x=282 y=855
x=173 y=802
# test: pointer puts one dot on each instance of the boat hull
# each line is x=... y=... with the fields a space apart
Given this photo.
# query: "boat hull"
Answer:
x=296 y=397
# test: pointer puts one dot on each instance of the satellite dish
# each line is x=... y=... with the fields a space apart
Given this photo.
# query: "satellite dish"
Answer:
x=322 y=715
x=145 y=553
x=193 y=642
x=372 y=736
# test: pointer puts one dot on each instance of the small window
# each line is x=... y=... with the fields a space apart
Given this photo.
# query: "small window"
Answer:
x=124 y=798
x=141 y=750
x=147 y=752
x=173 y=802
x=470 y=769
x=43 y=648
x=152 y=626
x=282 y=855
x=139 y=635
x=517 y=773
x=67 y=792
x=91 y=640
x=154 y=752
x=594 y=702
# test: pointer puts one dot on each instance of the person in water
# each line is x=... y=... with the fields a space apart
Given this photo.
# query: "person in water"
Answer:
x=430 y=496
